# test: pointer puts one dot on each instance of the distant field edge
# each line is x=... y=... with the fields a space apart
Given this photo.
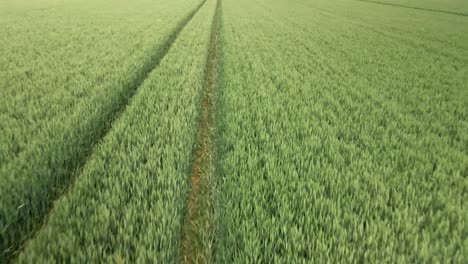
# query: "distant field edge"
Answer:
x=34 y=208
x=416 y=8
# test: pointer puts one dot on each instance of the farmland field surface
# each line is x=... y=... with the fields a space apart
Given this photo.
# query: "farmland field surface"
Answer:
x=234 y=131
x=66 y=70
x=343 y=135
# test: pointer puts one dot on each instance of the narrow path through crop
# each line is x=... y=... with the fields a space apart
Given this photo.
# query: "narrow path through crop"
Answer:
x=198 y=228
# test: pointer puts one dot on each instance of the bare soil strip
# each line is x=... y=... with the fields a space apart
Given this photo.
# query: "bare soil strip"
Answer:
x=197 y=233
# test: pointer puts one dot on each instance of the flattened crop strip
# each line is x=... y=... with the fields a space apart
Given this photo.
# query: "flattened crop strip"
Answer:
x=197 y=235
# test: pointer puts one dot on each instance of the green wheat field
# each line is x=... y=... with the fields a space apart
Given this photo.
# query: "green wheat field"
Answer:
x=234 y=131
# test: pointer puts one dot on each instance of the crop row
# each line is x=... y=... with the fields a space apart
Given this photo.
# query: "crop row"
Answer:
x=341 y=137
x=66 y=73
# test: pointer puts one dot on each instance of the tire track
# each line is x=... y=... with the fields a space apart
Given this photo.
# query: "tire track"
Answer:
x=416 y=8
x=198 y=228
